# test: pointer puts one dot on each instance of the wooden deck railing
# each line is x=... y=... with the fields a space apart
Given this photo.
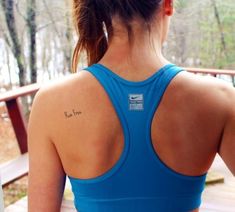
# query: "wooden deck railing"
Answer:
x=213 y=72
x=18 y=167
x=11 y=99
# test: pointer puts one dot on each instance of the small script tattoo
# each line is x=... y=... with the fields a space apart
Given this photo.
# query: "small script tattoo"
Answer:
x=72 y=114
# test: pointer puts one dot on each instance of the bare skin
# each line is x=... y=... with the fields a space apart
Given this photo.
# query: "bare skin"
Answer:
x=74 y=130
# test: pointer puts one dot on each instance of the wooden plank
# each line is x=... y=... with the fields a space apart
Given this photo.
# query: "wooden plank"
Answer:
x=21 y=206
x=68 y=206
x=18 y=122
x=207 y=207
x=68 y=194
x=211 y=71
x=18 y=92
x=14 y=169
x=214 y=177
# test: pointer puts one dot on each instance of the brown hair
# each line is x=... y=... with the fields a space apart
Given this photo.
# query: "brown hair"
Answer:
x=93 y=23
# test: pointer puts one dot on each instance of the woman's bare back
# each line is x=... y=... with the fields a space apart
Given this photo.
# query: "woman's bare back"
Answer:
x=186 y=129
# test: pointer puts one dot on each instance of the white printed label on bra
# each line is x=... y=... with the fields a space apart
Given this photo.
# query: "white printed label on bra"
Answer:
x=136 y=102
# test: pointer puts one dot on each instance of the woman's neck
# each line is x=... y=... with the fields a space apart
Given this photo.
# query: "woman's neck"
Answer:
x=144 y=54
x=145 y=51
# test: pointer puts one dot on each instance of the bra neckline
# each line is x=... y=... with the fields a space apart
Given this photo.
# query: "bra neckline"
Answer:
x=142 y=82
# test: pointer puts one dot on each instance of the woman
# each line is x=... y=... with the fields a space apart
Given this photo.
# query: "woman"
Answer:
x=132 y=131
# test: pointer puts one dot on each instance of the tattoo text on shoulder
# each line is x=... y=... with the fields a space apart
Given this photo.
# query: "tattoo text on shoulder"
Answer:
x=73 y=113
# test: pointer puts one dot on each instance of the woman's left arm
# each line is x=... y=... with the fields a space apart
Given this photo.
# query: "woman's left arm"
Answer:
x=227 y=146
x=46 y=174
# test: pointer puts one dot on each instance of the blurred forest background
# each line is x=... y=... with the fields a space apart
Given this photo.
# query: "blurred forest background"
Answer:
x=37 y=40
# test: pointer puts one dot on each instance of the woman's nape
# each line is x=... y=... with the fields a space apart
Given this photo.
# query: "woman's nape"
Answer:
x=143 y=28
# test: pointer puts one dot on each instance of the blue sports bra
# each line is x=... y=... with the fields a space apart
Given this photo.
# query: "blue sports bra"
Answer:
x=139 y=181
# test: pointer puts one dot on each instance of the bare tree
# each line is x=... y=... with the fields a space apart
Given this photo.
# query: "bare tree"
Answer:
x=8 y=9
x=220 y=26
x=68 y=49
x=32 y=28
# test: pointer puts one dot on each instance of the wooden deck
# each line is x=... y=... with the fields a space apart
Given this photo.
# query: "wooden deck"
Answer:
x=219 y=197
x=21 y=206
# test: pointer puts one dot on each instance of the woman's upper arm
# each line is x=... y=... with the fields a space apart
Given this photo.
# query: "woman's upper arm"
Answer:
x=227 y=146
x=46 y=174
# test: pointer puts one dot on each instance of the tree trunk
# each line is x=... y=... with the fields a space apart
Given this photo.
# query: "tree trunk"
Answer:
x=8 y=68
x=220 y=26
x=68 y=50
x=32 y=28
x=8 y=8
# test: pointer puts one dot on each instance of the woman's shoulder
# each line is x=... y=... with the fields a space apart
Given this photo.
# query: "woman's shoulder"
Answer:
x=64 y=88
x=206 y=92
x=60 y=94
x=56 y=99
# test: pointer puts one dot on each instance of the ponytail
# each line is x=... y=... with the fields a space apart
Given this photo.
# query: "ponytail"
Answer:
x=90 y=25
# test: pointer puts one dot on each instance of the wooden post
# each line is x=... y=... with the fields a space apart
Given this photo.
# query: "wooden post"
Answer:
x=18 y=123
